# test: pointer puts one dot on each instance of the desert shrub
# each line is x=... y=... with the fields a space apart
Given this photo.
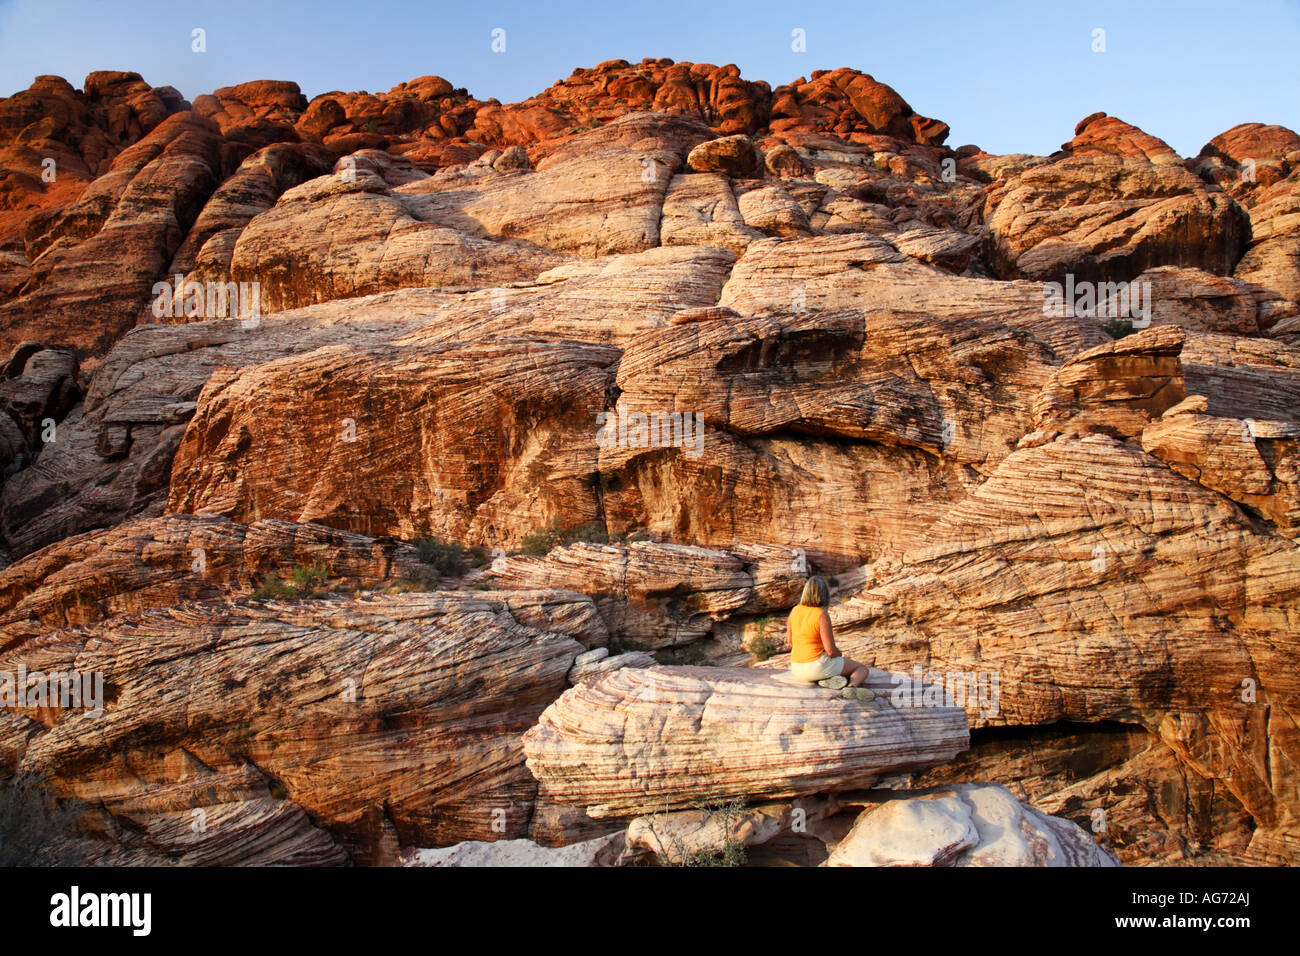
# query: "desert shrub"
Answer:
x=418 y=579
x=445 y=557
x=305 y=581
x=732 y=852
x=273 y=589
x=765 y=645
x=540 y=543
x=312 y=576
x=620 y=645
x=1117 y=328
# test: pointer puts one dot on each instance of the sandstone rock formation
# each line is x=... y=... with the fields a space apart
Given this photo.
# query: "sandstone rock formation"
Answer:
x=177 y=558
x=658 y=739
x=965 y=825
x=530 y=411
x=389 y=720
x=657 y=595
x=1116 y=203
x=734 y=156
x=1050 y=546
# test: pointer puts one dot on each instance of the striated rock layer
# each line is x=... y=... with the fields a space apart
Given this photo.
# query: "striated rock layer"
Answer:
x=658 y=739
x=662 y=341
x=383 y=721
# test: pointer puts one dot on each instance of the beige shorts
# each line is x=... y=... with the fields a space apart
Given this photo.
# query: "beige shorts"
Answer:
x=820 y=669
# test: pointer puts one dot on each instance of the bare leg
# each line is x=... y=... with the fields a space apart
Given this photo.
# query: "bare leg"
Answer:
x=855 y=672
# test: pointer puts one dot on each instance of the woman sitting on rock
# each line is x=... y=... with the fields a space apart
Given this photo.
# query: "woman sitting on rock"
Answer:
x=813 y=654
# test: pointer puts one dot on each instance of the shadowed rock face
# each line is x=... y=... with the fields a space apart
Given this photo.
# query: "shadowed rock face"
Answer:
x=661 y=342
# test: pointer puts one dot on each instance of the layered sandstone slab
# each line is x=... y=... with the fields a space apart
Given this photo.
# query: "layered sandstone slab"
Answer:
x=1272 y=262
x=387 y=719
x=1117 y=388
x=111 y=456
x=414 y=441
x=347 y=234
x=99 y=257
x=872 y=272
x=842 y=432
x=611 y=300
x=665 y=738
x=54 y=141
x=252 y=189
x=659 y=595
x=601 y=193
x=1252 y=461
x=905 y=379
x=156 y=562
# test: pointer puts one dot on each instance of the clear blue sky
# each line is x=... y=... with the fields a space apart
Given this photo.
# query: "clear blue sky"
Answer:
x=1008 y=75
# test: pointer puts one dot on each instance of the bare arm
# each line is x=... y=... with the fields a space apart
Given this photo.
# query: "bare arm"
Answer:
x=828 y=639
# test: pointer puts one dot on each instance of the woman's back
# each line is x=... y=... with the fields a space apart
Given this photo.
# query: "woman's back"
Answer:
x=805 y=633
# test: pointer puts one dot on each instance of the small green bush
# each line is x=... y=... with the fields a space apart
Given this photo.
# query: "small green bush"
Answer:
x=541 y=543
x=733 y=851
x=765 y=645
x=445 y=557
x=619 y=645
x=273 y=589
x=306 y=581
x=418 y=579
x=311 y=577
x=1117 y=328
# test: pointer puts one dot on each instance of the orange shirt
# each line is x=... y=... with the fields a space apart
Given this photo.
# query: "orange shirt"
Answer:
x=805 y=634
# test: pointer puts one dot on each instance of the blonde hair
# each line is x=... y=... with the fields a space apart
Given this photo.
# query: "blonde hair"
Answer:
x=815 y=593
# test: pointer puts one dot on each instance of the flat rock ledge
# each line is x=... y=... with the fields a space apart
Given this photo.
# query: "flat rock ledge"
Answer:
x=656 y=739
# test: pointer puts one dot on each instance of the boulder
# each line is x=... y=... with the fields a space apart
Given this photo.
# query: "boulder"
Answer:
x=733 y=156
x=964 y=825
x=1115 y=389
x=656 y=739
